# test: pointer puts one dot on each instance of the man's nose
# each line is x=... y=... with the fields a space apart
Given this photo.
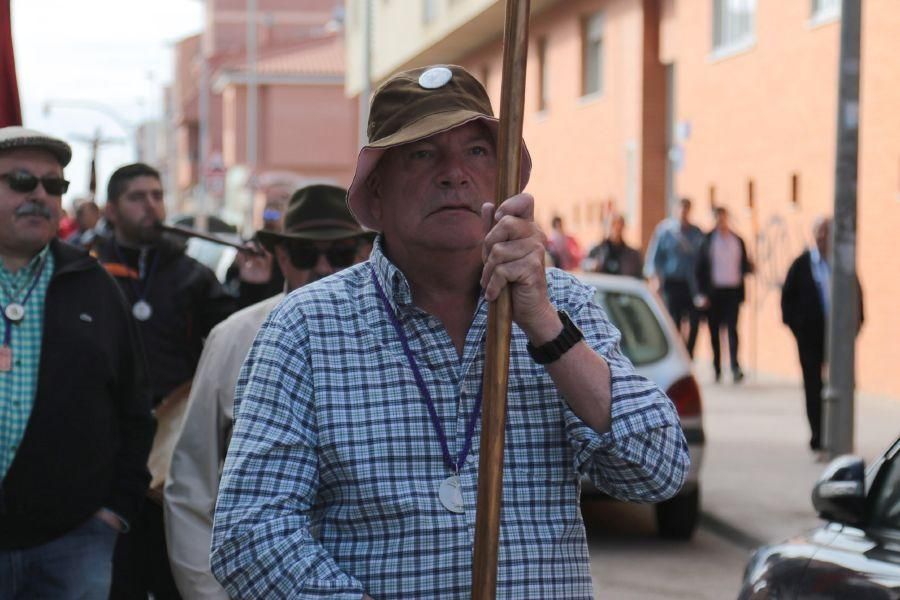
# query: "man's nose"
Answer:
x=452 y=173
x=323 y=267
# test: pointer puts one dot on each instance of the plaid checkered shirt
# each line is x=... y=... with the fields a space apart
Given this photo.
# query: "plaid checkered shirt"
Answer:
x=330 y=487
x=19 y=385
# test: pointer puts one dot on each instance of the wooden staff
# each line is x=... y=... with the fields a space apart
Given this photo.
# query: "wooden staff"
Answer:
x=496 y=369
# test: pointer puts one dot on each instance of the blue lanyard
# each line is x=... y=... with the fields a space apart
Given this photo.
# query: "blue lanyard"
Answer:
x=139 y=292
x=420 y=382
x=7 y=334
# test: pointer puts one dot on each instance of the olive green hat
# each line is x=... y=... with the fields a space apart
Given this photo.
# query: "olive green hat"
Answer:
x=316 y=213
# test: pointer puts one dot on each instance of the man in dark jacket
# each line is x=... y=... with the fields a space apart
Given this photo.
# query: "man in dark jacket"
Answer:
x=75 y=425
x=176 y=301
x=805 y=302
x=722 y=265
x=613 y=255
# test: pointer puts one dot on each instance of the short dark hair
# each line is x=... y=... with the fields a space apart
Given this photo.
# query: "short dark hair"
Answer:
x=684 y=202
x=118 y=181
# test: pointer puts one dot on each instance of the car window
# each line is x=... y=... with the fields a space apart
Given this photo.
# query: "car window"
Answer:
x=643 y=339
x=886 y=502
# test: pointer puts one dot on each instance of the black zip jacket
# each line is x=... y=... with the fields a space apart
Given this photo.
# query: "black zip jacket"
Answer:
x=90 y=430
x=187 y=302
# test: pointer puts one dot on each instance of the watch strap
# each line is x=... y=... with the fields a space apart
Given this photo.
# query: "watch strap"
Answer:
x=551 y=351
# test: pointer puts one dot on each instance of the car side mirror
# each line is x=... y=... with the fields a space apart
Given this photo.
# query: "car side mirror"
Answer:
x=840 y=493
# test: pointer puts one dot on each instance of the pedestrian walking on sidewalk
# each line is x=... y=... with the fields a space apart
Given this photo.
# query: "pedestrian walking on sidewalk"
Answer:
x=671 y=268
x=721 y=267
x=805 y=304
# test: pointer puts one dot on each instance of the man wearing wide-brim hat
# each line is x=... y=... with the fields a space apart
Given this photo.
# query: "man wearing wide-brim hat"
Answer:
x=320 y=237
x=354 y=462
x=75 y=424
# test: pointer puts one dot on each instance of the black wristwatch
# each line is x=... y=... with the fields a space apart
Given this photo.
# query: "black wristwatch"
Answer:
x=555 y=348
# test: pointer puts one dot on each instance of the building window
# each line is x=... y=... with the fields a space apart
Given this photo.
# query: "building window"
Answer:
x=734 y=24
x=429 y=11
x=825 y=10
x=543 y=86
x=592 y=57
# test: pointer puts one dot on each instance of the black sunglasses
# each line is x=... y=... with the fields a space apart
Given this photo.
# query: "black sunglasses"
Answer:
x=305 y=255
x=24 y=182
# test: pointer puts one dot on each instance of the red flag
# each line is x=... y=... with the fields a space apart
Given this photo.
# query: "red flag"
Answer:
x=10 y=111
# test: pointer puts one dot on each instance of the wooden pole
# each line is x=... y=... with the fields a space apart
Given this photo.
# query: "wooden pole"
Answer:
x=496 y=368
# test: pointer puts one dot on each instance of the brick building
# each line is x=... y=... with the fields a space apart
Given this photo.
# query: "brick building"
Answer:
x=306 y=127
x=633 y=103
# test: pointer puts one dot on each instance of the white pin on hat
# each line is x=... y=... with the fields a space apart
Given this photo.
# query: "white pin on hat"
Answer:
x=435 y=78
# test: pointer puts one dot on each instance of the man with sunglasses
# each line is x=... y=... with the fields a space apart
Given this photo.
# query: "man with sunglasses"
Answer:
x=71 y=369
x=353 y=466
x=320 y=237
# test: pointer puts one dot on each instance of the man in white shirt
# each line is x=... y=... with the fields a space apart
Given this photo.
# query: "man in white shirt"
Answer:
x=721 y=268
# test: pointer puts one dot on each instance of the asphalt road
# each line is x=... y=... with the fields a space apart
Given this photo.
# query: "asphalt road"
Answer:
x=628 y=561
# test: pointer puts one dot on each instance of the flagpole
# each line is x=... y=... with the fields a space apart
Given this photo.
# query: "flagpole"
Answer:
x=496 y=370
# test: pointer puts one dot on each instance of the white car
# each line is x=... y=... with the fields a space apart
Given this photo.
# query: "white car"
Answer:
x=652 y=343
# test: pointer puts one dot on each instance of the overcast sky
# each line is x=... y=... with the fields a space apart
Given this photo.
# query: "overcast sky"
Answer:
x=114 y=52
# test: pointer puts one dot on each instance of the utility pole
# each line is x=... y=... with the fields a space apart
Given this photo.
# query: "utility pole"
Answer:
x=843 y=317
x=200 y=218
x=252 y=109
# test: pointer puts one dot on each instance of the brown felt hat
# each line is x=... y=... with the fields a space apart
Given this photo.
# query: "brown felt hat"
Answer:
x=414 y=105
x=315 y=213
x=15 y=137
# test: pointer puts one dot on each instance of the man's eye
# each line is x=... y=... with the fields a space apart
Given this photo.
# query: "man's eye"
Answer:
x=479 y=151
x=420 y=154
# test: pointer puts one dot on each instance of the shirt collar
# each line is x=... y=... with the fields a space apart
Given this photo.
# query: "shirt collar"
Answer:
x=391 y=279
x=29 y=268
x=816 y=256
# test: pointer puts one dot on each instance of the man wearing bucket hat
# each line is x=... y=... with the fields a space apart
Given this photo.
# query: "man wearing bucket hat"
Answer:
x=353 y=468
x=320 y=237
x=75 y=425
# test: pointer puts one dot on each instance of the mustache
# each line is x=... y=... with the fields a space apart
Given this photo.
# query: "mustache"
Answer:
x=34 y=209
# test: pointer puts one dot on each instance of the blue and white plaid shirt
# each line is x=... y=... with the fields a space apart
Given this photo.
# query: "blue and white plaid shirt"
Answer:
x=330 y=486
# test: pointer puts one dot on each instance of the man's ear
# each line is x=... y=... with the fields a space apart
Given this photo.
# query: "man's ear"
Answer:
x=373 y=184
x=283 y=258
x=110 y=212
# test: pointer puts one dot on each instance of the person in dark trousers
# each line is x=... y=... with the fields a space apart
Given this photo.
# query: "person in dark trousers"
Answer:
x=175 y=301
x=671 y=268
x=75 y=424
x=722 y=265
x=613 y=255
x=805 y=303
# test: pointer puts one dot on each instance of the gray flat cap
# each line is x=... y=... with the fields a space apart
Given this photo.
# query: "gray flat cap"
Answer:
x=12 y=138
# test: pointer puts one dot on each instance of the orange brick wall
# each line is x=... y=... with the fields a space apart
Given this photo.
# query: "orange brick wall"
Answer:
x=768 y=113
x=756 y=119
x=580 y=145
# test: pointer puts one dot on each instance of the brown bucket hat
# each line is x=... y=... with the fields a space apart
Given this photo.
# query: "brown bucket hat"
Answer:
x=316 y=213
x=414 y=105
x=15 y=137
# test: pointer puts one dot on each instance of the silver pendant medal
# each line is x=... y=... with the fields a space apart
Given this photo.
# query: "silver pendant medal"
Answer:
x=450 y=494
x=142 y=310
x=15 y=312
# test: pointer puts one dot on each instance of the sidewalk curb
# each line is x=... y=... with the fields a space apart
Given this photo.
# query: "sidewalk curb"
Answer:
x=729 y=532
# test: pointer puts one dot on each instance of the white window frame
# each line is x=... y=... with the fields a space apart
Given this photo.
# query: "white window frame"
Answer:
x=733 y=29
x=592 y=34
x=824 y=11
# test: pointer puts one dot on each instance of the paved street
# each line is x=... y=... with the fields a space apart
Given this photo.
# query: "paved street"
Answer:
x=756 y=483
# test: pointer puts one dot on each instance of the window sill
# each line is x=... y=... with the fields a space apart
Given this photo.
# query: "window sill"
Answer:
x=732 y=49
x=823 y=18
x=590 y=98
